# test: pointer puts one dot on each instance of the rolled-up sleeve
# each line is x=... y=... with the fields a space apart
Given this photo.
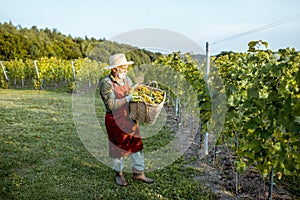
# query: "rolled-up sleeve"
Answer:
x=108 y=95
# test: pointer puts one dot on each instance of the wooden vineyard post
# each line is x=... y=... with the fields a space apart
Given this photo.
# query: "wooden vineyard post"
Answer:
x=3 y=69
x=4 y=84
x=271 y=184
x=207 y=82
x=38 y=82
x=73 y=69
x=207 y=61
x=236 y=173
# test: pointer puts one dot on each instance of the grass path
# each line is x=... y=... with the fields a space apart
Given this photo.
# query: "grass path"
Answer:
x=42 y=156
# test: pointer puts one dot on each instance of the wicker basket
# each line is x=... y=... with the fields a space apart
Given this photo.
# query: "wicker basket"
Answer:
x=145 y=112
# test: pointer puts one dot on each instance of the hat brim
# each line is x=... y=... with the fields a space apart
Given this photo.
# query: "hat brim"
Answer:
x=115 y=66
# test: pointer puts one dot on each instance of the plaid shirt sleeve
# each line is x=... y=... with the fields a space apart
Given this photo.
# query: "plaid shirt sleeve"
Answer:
x=107 y=94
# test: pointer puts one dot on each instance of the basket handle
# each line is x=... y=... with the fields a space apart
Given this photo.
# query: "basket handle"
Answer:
x=153 y=82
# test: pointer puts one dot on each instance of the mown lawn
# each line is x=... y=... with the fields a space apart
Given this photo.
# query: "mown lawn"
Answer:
x=42 y=156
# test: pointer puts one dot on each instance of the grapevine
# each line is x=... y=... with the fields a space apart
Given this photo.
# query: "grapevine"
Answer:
x=52 y=71
x=262 y=90
x=263 y=104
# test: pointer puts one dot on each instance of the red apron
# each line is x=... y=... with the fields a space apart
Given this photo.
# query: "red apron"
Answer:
x=123 y=133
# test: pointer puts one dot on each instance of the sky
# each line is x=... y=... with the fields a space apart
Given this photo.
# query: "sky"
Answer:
x=172 y=25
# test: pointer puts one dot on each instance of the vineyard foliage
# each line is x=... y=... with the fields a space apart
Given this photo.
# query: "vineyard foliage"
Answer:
x=264 y=107
x=262 y=100
x=50 y=71
x=260 y=89
x=189 y=69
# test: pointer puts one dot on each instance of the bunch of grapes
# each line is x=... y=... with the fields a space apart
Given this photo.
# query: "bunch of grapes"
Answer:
x=151 y=96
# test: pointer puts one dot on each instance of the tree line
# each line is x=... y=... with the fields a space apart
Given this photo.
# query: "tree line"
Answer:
x=17 y=42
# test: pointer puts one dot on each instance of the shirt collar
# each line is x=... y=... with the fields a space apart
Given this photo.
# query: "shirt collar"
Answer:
x=112 y=78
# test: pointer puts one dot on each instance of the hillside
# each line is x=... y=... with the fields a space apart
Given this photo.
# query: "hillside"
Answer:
x=17 y=42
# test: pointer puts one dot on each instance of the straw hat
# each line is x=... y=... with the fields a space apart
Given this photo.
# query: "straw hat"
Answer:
x=118 y=60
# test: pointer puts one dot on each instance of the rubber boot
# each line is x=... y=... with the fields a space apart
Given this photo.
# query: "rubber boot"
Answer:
x=139 y=175
x=120 y=179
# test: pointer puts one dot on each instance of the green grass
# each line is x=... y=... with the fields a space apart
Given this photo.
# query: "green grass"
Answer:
x=42 y=156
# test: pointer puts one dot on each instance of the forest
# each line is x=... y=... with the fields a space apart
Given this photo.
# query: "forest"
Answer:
x=33 y=43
